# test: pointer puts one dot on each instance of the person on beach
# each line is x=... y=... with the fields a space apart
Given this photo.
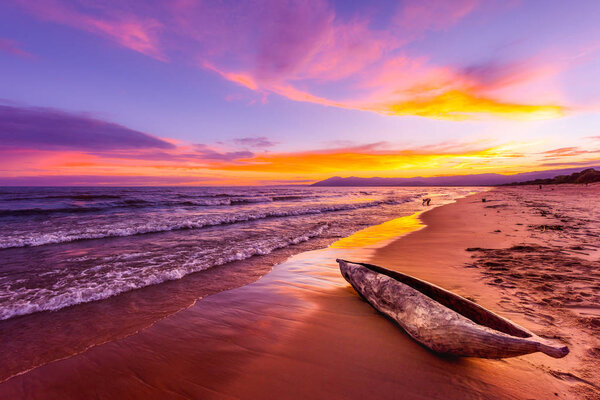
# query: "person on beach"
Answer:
x=426 y=201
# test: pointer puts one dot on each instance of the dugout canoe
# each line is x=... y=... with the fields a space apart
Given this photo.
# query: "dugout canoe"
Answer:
x=441 y=320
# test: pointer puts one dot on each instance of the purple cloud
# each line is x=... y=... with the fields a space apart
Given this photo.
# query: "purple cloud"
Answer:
x=49 y=129
x=206 y=153
x=254 y=141
x=285 y=42
x=488 y=73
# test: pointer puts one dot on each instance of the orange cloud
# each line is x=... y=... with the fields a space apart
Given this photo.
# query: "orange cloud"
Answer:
x=240 y=78
x=182 y=165
x=450 y=104
x=39 y=142
x=363 y=160
x=457 y=105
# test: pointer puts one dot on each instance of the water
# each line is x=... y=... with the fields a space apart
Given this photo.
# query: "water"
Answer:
x=65 y=246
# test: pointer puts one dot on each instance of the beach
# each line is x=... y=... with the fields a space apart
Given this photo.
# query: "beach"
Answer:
x=263 y=199
x=301 y=331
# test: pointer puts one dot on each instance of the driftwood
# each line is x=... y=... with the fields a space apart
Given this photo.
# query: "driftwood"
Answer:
x=441 y=320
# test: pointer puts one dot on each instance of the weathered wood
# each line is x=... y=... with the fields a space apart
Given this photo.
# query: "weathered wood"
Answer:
x=441 y=320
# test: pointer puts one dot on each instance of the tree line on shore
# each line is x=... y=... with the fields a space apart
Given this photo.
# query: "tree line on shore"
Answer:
x=586 y=176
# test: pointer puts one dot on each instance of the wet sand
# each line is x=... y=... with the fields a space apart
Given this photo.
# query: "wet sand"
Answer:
x=302 y=332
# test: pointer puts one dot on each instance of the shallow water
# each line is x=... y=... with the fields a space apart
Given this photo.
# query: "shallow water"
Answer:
x=66 y=246
x=60 y=299
x=298 y=328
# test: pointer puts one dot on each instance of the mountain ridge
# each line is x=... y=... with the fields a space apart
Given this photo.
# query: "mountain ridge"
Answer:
x=488 y=179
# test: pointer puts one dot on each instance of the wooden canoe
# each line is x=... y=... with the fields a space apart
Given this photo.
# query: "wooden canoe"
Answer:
x=441 y=320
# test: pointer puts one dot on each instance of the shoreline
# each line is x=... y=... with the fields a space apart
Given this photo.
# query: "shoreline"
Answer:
x=302 y=326
x=523 y=255
x=33 y=340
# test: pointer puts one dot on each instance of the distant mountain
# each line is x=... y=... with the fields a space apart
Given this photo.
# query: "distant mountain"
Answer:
x=589 y=175
x=456 y=180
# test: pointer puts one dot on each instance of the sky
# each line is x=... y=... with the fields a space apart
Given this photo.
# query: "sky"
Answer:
x=196 y=92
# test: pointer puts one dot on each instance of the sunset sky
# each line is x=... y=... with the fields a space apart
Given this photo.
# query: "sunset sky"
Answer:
x=277 y=92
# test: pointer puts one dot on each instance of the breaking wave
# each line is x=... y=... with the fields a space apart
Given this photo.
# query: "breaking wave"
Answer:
x=131 y=228
x=98 y=283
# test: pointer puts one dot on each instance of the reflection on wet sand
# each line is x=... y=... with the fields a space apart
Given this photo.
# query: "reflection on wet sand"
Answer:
x=378 y=235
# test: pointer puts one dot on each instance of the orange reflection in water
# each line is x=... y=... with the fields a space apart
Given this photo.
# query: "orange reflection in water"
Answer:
x=378 y=235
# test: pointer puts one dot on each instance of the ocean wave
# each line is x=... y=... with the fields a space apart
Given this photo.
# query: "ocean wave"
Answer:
x=250 y=200
x=46 y=211
x=141 y=203
x=76 y=209
x=129 y=228
x=65 y=197
x=104 y=284
x=85 y=196
x=121 y=204
x=290 y=197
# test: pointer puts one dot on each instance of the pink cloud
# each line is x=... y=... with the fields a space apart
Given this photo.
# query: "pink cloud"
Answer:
x=343 y=50
x=305 y=51
x=568 y=152
x=416 y=17
x=11 y=46
x=37 y=141
x=124 y=27
x=241 y=78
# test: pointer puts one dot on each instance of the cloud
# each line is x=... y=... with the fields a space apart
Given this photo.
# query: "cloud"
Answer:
x=567 y=152
x=39 y=142
x=560 y=156
x=416 y=17
x=308 y=52
x=120 y=24
x=286 y=181
x=42 y=141
x=585 y=163
x=365 y=158
x=254 y=142
x=458 y=105
x=47 y=146
x=50 y=129
x=109 y=180
x=497 y=74
x=206 y=153
x=12 y=47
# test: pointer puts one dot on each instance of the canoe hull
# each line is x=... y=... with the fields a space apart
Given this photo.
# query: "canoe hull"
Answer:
x=438 y=327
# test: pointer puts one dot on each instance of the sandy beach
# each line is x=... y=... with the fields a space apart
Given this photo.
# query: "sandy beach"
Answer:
x=264 y=199
x=301 y=331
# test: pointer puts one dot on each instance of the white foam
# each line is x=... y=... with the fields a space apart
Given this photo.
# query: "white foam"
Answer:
x=173 y=222
x=106 y=280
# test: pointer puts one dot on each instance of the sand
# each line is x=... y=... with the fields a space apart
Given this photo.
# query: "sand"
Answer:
x=302 y=332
